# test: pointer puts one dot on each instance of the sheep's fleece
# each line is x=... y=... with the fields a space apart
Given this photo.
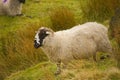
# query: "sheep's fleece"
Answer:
x=81 y=41
x=11 y=7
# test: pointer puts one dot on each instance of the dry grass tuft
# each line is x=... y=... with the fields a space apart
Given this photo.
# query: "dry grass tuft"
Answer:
x=62 y=18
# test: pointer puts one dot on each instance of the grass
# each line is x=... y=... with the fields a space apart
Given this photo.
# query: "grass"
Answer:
x=76 y=70
x=62 y=18
x=40 y=71
x=94 y=10
x=16 y=44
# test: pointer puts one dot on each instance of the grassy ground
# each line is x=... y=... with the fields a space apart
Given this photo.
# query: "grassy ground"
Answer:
x=17 y=51
x=76 y=70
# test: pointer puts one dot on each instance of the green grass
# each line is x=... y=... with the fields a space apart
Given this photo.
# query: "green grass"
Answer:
x=40 y=71
x=76 y=70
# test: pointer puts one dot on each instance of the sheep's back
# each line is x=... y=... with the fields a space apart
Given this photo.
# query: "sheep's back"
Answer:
x=84 y=40
x=90 y=30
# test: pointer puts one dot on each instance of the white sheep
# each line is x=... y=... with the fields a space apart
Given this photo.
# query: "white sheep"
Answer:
x=81 y=41
x=11 y=7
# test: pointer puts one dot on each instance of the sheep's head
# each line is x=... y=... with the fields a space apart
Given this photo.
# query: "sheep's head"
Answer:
x=21 y=1
x=41 y=34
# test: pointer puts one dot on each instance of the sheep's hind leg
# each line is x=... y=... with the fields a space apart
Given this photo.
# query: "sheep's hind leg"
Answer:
x=24 y=15
x=19 y=14
x=58 y=68
x=94 y=57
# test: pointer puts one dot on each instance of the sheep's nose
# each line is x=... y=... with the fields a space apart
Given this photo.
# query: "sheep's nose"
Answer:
x=36 y=45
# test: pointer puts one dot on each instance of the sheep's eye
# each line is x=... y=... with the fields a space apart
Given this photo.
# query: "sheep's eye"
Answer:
x=34 y=41
x=43 y=32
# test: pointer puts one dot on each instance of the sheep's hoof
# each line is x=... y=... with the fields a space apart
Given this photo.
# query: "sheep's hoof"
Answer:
x=29 y=17
x=19 y=14
x=64 y=66
x=104 y=57
x=57 y=73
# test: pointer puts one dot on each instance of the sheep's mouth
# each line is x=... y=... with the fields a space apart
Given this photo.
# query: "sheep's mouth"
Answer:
x=36 y=45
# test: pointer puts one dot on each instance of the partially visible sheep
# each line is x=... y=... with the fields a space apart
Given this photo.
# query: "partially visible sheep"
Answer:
x=11 y=7
x=81 y=41
x=114 y=29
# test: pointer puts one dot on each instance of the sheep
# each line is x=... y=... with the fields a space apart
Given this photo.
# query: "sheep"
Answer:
x=79 y=42
x=11 y=7
x=114 y=26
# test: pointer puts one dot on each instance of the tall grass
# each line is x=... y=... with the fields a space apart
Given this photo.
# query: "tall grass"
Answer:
x=116 y=52
x=117 y=56
x=62 y=18
x=98 y=10
x=17 y=51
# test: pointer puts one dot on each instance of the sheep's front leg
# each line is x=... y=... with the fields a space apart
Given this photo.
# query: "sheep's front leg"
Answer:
x=58 y=68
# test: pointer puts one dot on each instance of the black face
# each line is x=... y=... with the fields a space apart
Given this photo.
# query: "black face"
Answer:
x=40 y=36
x=21 y=1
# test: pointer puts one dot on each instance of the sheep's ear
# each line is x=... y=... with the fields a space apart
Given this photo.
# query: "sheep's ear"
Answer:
x=42 y=28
